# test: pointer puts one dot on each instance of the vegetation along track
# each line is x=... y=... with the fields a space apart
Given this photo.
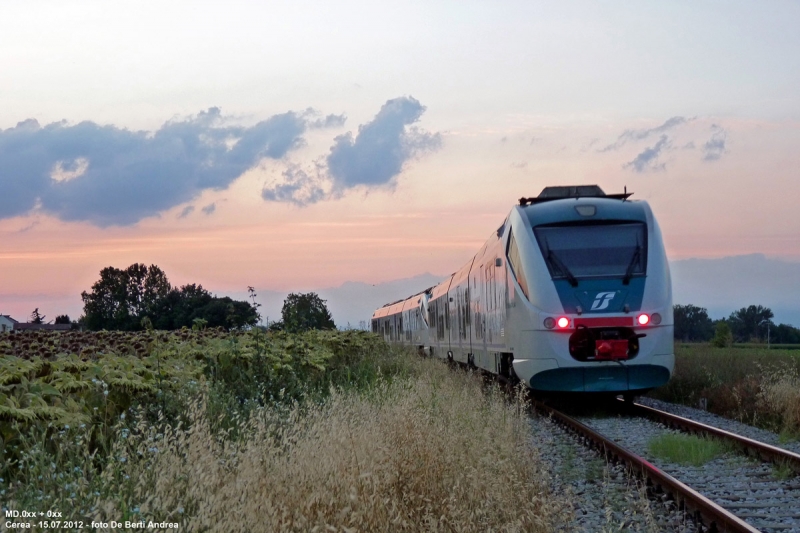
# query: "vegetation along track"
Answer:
x=729 y=493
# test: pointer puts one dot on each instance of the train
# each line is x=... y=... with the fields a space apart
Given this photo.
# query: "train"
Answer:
x=571 y=294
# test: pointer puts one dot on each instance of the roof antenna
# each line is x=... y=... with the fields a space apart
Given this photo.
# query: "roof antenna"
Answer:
x=626 y=193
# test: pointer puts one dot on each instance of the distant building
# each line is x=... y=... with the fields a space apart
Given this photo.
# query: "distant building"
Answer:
x=7 y=323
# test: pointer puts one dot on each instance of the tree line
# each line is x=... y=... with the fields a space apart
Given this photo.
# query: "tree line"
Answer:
x=141 y=297
x=748 y=324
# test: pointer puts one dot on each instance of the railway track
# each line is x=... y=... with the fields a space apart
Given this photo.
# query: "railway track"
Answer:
x=732 y=494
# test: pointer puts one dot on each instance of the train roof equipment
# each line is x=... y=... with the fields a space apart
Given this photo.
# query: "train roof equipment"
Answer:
x=572 y=191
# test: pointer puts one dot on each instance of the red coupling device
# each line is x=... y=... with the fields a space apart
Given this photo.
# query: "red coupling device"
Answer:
x=611 y=350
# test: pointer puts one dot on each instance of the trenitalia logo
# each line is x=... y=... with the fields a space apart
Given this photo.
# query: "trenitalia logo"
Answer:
x=602 y=300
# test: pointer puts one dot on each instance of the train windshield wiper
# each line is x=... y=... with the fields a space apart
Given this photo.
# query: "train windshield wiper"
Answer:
x=554 y=261
x=634 y=261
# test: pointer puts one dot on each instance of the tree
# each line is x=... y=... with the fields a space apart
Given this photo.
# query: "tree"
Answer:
x=722 y=335
x=785 y=334
x=305 y=311
x=121 y=298
x=63 y=319
x=750 y=323
x=692 y=323
x=36 y=318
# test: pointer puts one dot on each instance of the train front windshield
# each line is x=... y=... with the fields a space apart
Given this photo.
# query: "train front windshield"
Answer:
x=617 y=249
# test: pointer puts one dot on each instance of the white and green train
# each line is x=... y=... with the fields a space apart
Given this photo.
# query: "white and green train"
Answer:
x=572 y=293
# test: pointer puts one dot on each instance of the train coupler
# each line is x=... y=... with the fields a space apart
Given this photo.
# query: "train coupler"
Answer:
x=610 y=350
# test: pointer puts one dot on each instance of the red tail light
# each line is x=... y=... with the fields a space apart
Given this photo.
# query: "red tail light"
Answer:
x=563 y=322
x=643 y=319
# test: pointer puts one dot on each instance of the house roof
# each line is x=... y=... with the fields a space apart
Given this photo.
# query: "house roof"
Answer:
x=11 y=319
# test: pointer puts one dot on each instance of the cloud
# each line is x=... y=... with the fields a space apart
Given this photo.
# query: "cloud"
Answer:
x=207 y=210
x=329 y=121
x=188 y=210
x=300 y=187
x=648 y=159
x=638 y=135
x=715 y=146
x=373 y=158
x=381 y=148
x=107 y=175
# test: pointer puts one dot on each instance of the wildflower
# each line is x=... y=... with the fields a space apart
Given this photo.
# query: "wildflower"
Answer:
x=66 y=426
x=126 y=476
x=105 y=393
x=180 y=510
x=122 y=459
x=122 y=416
x=135 y=509
x=83 y=426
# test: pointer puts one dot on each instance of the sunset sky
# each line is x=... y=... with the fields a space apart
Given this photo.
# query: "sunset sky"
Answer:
x=299 y=145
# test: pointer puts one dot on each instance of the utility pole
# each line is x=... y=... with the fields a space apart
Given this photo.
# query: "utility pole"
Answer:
x=767 y=323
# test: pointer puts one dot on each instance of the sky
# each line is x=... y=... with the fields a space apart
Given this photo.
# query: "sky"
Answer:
x=295 y=146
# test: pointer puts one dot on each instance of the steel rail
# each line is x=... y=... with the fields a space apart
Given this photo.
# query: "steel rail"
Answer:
x=765 y=451
x=717 y=518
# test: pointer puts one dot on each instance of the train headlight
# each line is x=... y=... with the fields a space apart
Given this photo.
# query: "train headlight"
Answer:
x=549 y=322
x=655 y=319
x=643 y=319
x=563 y=322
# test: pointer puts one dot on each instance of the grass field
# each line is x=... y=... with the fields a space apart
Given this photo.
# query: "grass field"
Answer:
x=753 y=384
x=324 y=431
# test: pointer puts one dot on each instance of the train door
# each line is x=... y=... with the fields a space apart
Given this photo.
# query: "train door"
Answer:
x=489 y=293
x=502 y=298
x=478 y=312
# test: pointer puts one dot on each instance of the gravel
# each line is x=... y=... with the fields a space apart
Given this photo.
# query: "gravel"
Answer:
x=604 y=497
x=698 y=415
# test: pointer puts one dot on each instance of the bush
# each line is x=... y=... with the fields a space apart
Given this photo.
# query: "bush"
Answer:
x=722 y=335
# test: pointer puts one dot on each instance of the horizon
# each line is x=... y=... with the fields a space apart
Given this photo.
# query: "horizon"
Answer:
x=701 y=282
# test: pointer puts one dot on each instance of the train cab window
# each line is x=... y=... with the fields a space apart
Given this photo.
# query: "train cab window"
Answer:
x=611 y=249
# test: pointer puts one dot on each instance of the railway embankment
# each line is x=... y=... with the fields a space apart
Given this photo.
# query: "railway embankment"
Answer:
x=603 y=496
x=753 y=490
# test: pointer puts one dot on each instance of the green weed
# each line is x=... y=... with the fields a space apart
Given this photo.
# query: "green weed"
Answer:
x=686 y=449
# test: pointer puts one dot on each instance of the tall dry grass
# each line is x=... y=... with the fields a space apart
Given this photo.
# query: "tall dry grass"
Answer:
x=435 y=452
x=751 y=384
x=780 y=393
